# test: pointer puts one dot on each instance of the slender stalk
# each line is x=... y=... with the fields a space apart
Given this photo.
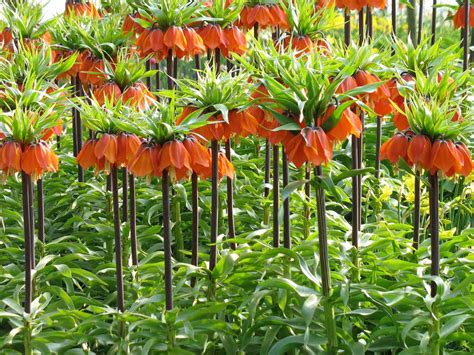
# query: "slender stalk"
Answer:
x=434 y=229
x=133 y=221
x=355 y=194
x=148 y=79
x=433 y=23
x=472 y=46
x=361 y=27
x=118 y=241
x=394 y=18
x=286 y=202
x=377 y=147
x=167 y=240
x=108 y=183
x=31 y=197
x=466 y=35
x=266 y=191
x=307 y=193
x=214 y=203
x=169 y=69
x=420 y=22
x=40 y=194
x=230 y=199
x=324 y=261
x=416 y=212
x=195 y=223
x=124 y=194
x=78 y=91
x=157 y=76
x=25 y=183
x=347 y=27
x=197 y=62
x=74 y=120
x=369 y=23
x=276 y=197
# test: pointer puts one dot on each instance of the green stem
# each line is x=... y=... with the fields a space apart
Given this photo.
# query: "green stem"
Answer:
x=27 y=341
x=330 y=319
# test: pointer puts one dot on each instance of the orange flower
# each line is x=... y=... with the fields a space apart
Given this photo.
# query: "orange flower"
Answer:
x=64 y=55
x=260 y=15
x=106 y=148
x=186 y=112
x=141 y=165
x=174 y=39
x=200 y=158
x=109 y=91
x=445 y=157
x=395 y=148
x=87 y=159
x=81 y=9
x=351 y=4
x=130 y=25
x=309 y=145
x=92 y=70
x=53 y=131
x=301 y=44
x=6 y=37
x=378 y=4
x=174 y=157
x=127 y=146
x=139 y=96
x=349 y=124
x=363 y=78
x=241 y=123
x=224 y=167
x=10 y=158
x=236 y=41
x=465 y=159
x=213 y=37
x=38 y=158
x=279 y=17
x=458 y=17
x=419 y=151
x=347 y=84
x=194 y=44
x=214 y=130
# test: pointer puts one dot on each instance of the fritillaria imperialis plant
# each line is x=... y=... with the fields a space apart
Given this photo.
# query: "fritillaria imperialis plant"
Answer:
x=260 y=14
x=169 y=152
x=225 y=96
x=24 y=25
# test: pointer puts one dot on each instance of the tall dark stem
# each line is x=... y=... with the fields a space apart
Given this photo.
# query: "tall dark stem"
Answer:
x=230 y=198
x=78 y=91
x=420 y=22
x=416 y=212
x=169 y=69
x=324 y=261
x=214 y=203
x=361 y=27
x=465 y=40
x=307 y=193
x=434 y=229
x=355 y=194
x=157 y=77
x=369 y=23
x=286 y=202
x=394 y=18
x=133 y=221
x=433 y=23
x=31 y=197
x=25 y=183
x=124 y=194
x=148 y=79
x=377 y=147
x=40 y=193
x=167 y=240
x=118 y=241
x=266 y=191
x=347 y=27
x=195 y=226
x=276 y=196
